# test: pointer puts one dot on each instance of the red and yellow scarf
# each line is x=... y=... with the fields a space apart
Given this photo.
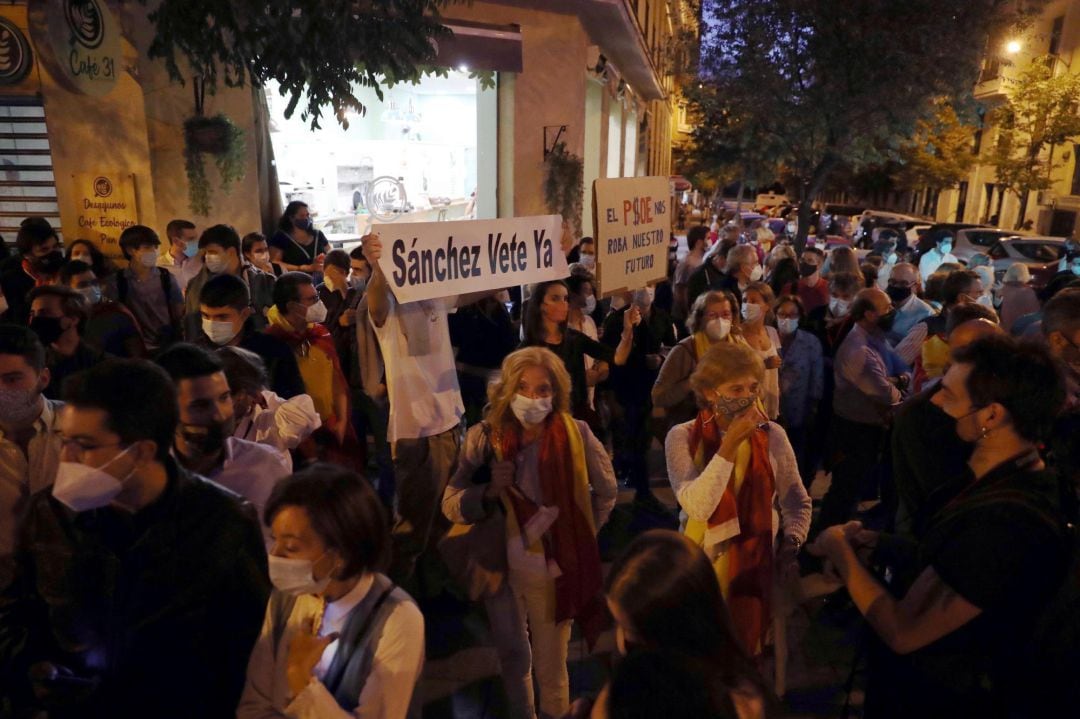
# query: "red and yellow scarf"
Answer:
x=570 y=542
x=745 y=568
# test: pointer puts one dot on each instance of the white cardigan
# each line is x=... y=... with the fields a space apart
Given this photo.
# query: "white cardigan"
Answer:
x=700 y=493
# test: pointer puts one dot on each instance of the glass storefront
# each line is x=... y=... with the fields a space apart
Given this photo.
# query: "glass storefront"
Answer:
x=411 y=158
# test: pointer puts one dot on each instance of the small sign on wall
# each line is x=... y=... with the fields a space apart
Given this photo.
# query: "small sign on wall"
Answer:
x=106 y=208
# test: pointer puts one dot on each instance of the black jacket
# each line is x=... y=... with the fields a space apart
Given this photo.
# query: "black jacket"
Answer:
x=157 y=612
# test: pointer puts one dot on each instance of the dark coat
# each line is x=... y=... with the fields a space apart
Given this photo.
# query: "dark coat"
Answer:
x=155 y=612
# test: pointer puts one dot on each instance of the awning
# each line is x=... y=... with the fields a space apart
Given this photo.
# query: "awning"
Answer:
x=478 y=46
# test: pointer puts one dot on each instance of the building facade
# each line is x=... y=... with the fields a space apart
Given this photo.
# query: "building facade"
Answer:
x=92 y=130
x=980 y=198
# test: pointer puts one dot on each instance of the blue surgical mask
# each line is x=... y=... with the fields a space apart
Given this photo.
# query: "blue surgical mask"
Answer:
x=191 y=249
x=946 y=248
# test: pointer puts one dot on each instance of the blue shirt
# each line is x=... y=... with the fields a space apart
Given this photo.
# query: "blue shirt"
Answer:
x=907 y=315
x=802 y=378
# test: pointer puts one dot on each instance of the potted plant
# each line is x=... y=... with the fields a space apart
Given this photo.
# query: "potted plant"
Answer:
x=564 y=173
x=217 y=136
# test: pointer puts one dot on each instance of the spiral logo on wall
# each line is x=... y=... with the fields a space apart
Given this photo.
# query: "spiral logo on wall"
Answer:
x=86 y=23
x=102 y=187
x=14 y=53
x=385 y=198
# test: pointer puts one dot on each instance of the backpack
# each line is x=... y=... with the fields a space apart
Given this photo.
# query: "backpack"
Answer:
x=172 y=334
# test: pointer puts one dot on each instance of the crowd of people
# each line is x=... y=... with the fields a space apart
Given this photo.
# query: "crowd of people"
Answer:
x=232 y=469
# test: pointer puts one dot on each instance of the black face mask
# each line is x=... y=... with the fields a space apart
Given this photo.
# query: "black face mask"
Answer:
x=49 y=264
x=898 y=294
x=209 y=440
x=306 y=225
x=885 y=322
x=806 y=269
x=47 y=329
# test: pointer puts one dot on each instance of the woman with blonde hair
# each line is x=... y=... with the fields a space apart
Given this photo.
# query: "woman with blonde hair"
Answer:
x=713 y=318
x=545 y=479
x=730 y=467
x=758 y=299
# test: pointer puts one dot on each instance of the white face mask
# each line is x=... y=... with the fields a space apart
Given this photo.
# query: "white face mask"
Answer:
x=81 y=258
x=330 y=284
x=787 y=326
x=92 y=295
x=317 y=312
x=946 y=248
x=756 y=273
x=530 y=411
x=215 y=262
x=751 y=312
x=618 y=302
x=82 y=487
x=148 y=258
x=838 y=307
x=986 y=300
x=717 y=329
x=891 y=259
x=588 y=262
x=296 y=576
x=220 y=333
x=590 y=305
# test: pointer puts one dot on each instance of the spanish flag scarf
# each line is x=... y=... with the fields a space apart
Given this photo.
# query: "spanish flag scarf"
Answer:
x=745 y=568
x=318 y=361
x=569 y=542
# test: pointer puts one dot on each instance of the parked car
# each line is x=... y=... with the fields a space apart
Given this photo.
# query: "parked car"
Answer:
x=1040 y=254
x=978 y=241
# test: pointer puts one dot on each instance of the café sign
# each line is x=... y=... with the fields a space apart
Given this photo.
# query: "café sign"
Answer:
x=78 y=41
x=106 y=207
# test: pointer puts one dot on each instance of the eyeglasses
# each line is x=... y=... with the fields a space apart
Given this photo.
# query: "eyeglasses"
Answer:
x=79 y=448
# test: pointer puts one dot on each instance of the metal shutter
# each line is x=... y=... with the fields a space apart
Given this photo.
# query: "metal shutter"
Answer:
x=27 y=182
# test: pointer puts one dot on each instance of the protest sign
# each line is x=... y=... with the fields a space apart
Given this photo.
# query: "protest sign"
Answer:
x=425 y=260
x=633 y=222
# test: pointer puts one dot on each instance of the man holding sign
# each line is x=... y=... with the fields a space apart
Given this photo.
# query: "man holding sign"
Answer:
x=425 y=270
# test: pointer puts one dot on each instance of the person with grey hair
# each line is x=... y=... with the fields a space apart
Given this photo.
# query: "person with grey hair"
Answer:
x=742 y=269
x=1018 y=298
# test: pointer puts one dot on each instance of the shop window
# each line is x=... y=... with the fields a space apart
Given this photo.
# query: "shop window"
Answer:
x=27 y=182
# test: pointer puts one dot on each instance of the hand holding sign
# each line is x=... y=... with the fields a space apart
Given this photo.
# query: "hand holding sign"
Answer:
x=372 y=249
x=631 y=319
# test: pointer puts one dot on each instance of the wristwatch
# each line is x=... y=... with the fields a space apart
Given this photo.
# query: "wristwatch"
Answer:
x=795 y=540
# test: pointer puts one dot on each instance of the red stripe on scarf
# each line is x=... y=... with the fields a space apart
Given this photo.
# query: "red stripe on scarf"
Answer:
x=750 y=554
x=570 y=540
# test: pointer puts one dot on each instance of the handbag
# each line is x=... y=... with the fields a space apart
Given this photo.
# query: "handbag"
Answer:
x=475 y=554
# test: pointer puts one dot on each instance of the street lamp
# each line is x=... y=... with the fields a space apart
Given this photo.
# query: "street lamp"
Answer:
x=1013 y=47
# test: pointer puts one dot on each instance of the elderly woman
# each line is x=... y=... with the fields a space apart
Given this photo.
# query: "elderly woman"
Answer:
x=713 y=318
x=547 y=481
x=730 y=467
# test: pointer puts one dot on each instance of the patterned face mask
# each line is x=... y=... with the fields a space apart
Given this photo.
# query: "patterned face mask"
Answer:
x=732 y=406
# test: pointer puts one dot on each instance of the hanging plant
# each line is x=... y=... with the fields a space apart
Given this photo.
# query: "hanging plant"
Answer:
x=564 y=173
x=217 y=136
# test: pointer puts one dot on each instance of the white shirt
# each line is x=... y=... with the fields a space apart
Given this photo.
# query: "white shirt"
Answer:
x=421 y=378
x=23 y=474
x=251 y=470
x=283 y=424
x=398 y=660
x=183 y=269
x=931 y=261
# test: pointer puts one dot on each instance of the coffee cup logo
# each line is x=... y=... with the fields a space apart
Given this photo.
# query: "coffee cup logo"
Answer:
x=86 y=23
x=14 y=53
x=102 y=187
